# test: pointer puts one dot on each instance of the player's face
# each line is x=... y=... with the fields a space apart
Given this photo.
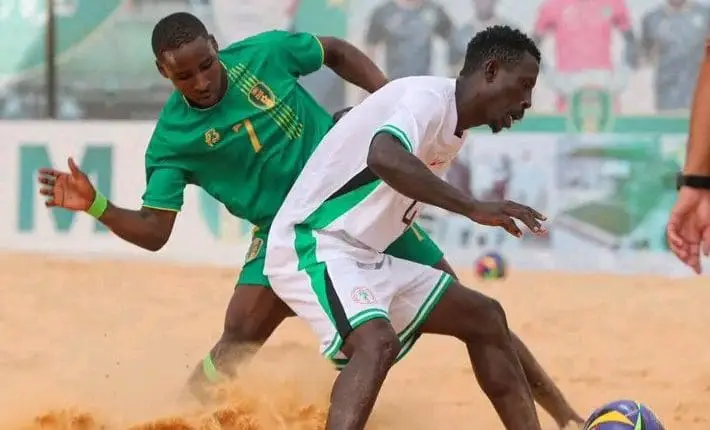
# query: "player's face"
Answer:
x=510 y=91
x=195 y=71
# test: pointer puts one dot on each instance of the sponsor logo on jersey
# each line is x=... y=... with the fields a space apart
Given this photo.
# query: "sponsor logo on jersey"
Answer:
x=261 y=96
x=212 y=137
x=254 y=248
x=363 y=295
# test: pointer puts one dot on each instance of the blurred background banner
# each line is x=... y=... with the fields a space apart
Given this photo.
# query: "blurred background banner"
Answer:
x=608 y=63
x=22 y=27
x=597 y=152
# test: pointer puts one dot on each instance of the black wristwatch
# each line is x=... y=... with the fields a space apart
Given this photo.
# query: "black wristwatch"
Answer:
x=692 y=181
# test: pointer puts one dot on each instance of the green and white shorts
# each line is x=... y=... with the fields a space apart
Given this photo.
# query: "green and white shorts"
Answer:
x=346 y=286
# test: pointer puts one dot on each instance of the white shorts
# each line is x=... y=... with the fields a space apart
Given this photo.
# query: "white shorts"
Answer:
x=336 y=287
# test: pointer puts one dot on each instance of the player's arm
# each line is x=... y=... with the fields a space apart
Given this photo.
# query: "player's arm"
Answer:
x=148 y=227
x=304 y=53
x=392 y=162
x=392 y=151
x=392 y=158
x=351 y=64
x=697 y=160
x=151 y=226
x=403 y=171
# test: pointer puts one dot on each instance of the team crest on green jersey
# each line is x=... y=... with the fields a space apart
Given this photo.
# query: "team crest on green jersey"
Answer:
x=261 y=96
x=212 y=137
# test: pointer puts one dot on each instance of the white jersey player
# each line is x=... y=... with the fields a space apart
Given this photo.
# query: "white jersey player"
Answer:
x=345 y=215
x=361 y=189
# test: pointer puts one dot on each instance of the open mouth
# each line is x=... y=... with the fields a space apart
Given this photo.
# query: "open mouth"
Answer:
x=509 y=119
x=506 y=121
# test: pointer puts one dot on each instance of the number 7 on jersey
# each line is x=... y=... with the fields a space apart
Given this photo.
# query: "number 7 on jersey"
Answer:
x=251 y=133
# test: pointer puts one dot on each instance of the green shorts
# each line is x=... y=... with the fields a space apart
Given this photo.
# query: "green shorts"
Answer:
x=413 y=245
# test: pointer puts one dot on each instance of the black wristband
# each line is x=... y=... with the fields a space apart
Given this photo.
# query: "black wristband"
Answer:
x=693 y=181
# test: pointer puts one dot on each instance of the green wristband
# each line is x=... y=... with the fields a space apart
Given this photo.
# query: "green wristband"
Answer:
x=98 y=207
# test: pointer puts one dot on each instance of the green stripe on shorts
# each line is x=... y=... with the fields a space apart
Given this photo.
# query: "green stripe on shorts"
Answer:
x=423 y=313
x=305 y=246
x=408 y=336
x=356 y=321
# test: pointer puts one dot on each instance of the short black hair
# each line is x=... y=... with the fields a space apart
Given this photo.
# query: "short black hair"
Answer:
x=176 y=30
x=499 y=42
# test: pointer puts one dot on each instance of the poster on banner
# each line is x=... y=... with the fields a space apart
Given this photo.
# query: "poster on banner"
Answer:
x=518 y=167
x=616 y=191
x=607 y=197
x=252 y=16
x=23 y=21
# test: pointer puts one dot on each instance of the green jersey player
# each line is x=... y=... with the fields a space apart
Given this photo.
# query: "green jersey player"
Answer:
x=241 y=127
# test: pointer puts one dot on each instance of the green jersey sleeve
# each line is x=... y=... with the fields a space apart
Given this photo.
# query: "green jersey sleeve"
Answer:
x=165 y=180
x=301 y=53
x=164 y=189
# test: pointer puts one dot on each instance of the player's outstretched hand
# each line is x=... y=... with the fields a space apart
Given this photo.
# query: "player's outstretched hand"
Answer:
x=503 y=214
x=71 y=190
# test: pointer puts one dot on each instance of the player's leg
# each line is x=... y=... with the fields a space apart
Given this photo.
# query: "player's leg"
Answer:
x=480 y=322
x=546 y=393
x=253 y=313
x=415 y=245
x=431 y=301
x=372 y=348
x=345 y=303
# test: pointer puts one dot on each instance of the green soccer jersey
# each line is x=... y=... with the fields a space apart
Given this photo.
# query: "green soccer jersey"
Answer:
x=248 y=149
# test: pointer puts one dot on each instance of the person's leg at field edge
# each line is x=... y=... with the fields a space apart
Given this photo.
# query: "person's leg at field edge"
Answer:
x=479 y=321
x=544 y=389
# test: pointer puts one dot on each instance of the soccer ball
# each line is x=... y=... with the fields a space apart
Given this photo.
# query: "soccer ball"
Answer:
x=491 y=266
x=623 y=415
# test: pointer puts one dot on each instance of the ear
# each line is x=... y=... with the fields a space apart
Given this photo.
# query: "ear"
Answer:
x=490 y=70
x=160 y=69
x=213 y=42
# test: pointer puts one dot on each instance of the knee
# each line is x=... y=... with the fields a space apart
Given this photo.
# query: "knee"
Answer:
x=375 y=341
x=243 y=326
x=252 y=315
x=486 y=322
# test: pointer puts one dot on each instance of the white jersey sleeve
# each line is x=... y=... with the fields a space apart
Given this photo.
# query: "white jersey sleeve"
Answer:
x=416 y=120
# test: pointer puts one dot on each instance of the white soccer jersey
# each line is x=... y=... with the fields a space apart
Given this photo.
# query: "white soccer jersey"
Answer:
x=337 y=195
